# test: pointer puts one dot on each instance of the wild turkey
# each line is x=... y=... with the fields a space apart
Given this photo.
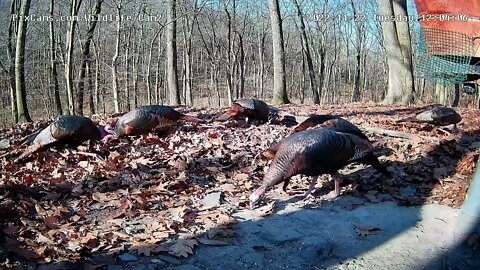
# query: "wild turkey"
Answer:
x=66 y=130
x=146 y=119
x=315 y=152
x=323 y=120
x=251 y=109
x=440 y=116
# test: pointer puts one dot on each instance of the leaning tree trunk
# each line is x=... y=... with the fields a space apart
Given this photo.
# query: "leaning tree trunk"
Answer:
x=306 y=52
x=21 y=92
x=86 y=55
x=279 y=81
x=172 y=79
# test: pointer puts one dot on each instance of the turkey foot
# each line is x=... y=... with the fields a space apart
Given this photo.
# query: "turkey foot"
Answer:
x=311 y=187
x=332 y=195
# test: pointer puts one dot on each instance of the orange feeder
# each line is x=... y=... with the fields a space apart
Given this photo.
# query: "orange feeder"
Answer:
x=461 y=17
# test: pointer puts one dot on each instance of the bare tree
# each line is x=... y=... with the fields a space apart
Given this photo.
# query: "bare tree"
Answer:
x=53 y=63
x=74 y=7
x=11 y=57
x=118 y=6
x=174 y=93
x=306 y=51
x=279 y=80
x=400 y=78
x=21 y=92
x=86 y=55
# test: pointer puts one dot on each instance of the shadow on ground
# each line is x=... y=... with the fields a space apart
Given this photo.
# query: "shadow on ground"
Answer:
x=349 y=233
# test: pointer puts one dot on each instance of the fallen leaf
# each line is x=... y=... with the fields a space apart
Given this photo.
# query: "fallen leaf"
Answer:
x=240 y=177
x=183 y=247
x=265 y=210
x=364 y=232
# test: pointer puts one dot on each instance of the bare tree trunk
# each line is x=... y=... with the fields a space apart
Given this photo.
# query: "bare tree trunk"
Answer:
x=86 y=55
x=356 y=95
x=11 y=69
x=74 y=7
x=21 y=92
x=241 y=83
x=306 y=52
x=279 y=80
x=261 y=44
x=97 y=73
x=229 y=52
x=127 y=66
x=53 y=63
x=174 y=94
x=135 y=69
x=397 y=44
x=158 y=78
x=116 y=106
x=302 y=82
x=91 y=103
x=149 y=63
x=456 y=97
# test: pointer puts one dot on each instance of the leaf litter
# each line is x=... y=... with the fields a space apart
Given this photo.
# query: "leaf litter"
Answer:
x=145 y=197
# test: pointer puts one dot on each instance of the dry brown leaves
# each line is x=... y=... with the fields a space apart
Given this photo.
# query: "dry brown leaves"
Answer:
x=144 y=195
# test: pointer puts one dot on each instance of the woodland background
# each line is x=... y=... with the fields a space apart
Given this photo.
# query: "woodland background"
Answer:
x=199 y=53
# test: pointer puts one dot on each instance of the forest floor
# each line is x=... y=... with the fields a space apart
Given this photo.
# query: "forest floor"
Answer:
x=180 y=201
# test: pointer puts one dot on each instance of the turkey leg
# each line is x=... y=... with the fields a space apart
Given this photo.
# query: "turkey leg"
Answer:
x=336 y=192
x=311 y=187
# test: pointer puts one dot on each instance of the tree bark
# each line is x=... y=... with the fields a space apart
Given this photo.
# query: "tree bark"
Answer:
x=241 y=82
x=356 y=93
x=74 y=7
x=96 y=95
x=172 y=79
x=11 y=68
x=21 y=92
x=306 y=52
x=261 y=50
x=279 y=80
x=86 y=56
x=456 y=97
x=91 y=103
x=116 y=106
x=53 y=64
x=399 y=59
x=149 y=64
